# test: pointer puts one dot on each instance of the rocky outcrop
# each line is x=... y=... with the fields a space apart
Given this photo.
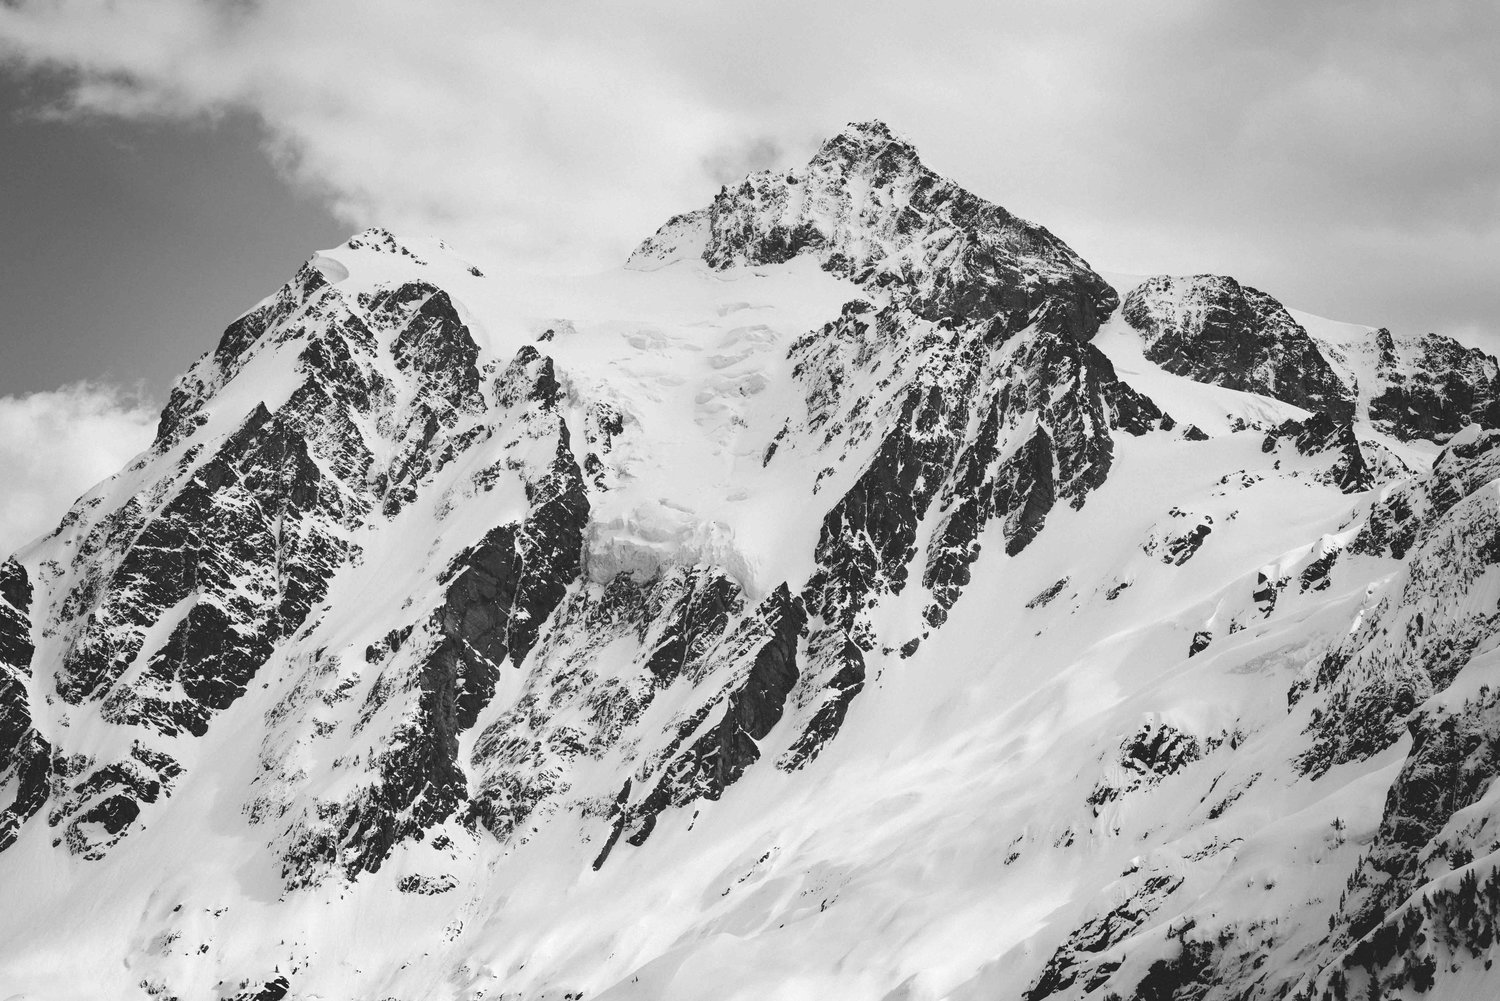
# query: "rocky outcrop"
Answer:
x=25 y=756
x=713 y=747
x=1329 y=432
x=436 y=351
x=231 y=563
x=239 y=555
x=439 y=674
x=499 y=594
x=1154 y=752
x=721 y=754
x=575 y=711
x=1422 y=631
x=691 y=619
x=1020 y=490
x=238 y=344
x=979 y=431
x=1177 y=538
x=1418 y=905
x=1431 y=386
x=1215 y=330
x=1454 y=758
x=1394 y=522
x=868 y=209
x=868 y=539
x=1084 y=956
x=1044 y=435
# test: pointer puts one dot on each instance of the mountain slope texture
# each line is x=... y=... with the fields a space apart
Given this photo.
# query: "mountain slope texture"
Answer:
x=853 y=596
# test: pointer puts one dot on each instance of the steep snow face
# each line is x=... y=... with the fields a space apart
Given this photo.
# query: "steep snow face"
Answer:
x=844 y=599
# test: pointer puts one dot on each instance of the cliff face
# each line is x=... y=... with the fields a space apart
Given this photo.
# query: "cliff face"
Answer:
x=788 y=612
x=1213 y=329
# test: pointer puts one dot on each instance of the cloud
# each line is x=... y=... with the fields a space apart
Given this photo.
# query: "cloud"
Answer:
x=1333 y=153
x=451 y=117
x=729 y=164
x=55 y=445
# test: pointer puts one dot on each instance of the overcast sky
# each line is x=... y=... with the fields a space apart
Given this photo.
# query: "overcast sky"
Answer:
x=165 y=163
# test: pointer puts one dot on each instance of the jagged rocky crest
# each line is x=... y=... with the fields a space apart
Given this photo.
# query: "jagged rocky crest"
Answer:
x=1212 y=329
x=414 y=588
x=867 y=208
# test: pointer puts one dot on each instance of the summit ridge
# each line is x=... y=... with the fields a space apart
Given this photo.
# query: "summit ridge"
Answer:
x=867 y=208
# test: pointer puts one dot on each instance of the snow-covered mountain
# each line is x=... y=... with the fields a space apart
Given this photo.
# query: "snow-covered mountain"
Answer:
x=855 y=595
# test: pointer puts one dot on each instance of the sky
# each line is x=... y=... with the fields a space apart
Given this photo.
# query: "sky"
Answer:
x=166 y=163
x=126 y=244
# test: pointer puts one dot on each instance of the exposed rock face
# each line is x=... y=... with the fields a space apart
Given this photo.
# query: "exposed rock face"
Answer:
x=232 y=563
x=1177 y=538
x=570 y=713
x=979 y=432
x=1021 y=490
x=1328 y=432
x=439 y=673
x=1385 y=937
x=213 y=371
x=867 y=208
x=713 y=747
x=1075 y=959
x=1453 y=762
x=499 y=594
x=24 y=754
x=1416 y=639
x=1156 y=751
x=1213 y=329
x=434 y=348
x=868 y=538
x=1431 y=386
x=196 y=580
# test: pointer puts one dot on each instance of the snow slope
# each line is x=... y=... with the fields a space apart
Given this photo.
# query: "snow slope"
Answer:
x=850 y=597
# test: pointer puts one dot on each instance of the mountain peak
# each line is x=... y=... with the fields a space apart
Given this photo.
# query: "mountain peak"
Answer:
x=380 y=240
x=486 y=618
x=863 y=141
x=867 y=209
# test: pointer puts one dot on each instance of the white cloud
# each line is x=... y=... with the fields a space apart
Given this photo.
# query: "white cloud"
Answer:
x=1271 y=140
x=55 y=445
x=450 y=117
